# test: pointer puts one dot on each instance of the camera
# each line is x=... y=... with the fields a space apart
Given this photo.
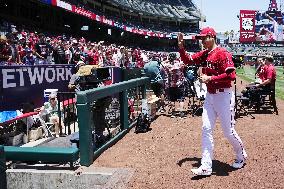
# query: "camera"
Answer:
x=96 y=76
x=172 y=56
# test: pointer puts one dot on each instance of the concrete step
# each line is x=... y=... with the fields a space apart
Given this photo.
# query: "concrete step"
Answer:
x=30 y=177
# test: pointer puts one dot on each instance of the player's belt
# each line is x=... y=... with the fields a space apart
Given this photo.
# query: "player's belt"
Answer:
x=215 y=91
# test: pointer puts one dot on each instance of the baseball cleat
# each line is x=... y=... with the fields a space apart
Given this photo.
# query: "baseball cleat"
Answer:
x=238 y=164
x=201 y=171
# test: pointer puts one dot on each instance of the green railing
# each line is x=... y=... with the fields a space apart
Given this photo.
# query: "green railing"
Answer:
x=2 y=168
x=85 y=116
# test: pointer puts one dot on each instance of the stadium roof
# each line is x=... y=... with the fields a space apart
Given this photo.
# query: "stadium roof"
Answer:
x=176 y=9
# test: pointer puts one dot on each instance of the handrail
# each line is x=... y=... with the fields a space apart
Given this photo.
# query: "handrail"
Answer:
x=97 y=93
x=3 y=168
x=85 y=121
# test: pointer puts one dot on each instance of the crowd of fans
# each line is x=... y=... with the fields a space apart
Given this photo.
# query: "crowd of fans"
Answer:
x=31 y=48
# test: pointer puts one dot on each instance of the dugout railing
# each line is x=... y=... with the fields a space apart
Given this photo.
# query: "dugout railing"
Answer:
x=85 y=100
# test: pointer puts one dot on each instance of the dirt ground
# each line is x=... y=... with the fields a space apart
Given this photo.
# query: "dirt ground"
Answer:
x=163 y=157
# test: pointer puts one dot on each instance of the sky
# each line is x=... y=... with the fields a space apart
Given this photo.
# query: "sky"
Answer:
x=222 y=14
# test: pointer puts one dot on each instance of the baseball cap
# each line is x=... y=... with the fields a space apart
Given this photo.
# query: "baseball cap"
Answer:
x=52 y=95
x=21 y=38
x=208 y=31
x=80 y=63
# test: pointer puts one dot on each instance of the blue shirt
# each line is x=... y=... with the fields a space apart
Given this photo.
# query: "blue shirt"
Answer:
x=154 y=71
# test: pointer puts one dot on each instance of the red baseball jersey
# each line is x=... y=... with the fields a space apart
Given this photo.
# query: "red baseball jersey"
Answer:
x=270 y=73
x=217 y=63
x=261 y=73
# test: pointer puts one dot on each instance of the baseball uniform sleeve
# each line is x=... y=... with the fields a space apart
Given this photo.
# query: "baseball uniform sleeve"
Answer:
x=196 y=58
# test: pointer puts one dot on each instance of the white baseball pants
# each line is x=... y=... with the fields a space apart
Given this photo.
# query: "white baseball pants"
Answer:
x=219 y=105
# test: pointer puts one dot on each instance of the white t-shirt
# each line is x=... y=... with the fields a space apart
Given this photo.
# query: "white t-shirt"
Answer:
x=278 y=31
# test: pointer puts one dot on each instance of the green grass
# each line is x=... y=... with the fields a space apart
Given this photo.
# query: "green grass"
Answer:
x=247 y=73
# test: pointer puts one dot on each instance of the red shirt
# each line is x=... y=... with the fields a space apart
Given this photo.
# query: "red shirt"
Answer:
x=175 y=74
x=217 y=63
x=261 y=74
x=93 y=57
x=270 y=73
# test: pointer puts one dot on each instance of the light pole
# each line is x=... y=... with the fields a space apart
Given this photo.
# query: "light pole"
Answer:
x=201 y=10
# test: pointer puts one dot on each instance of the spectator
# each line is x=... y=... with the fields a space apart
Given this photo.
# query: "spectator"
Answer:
x=42 y=49
x=13 y=48
x=50 y=109
x=5 y=51
x=29 y=58
x=121 y=57
x=154 y=70
x=76 y=52
x=176 y=81
x=93 y=55
x=59 y=53
x=74 y=80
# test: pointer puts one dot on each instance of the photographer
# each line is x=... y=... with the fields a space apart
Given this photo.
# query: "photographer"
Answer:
x=73 y=83
x=81 y=81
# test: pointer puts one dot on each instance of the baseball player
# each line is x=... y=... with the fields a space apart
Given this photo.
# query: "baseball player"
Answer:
x=268 y=81
x=218 y=73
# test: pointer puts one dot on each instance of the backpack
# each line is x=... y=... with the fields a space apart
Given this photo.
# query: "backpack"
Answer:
x=143 y=123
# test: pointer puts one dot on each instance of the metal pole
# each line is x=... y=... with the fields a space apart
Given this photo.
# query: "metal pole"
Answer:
x=85 y=134
x=123 y=110
x=59 y=99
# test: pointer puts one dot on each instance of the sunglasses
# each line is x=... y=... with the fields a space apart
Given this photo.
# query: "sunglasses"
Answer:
x=52 y=99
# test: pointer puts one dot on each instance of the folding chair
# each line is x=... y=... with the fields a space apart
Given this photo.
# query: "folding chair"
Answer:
x=242 y=106
x=242 y=103
x=268 y=99
x=45 y=125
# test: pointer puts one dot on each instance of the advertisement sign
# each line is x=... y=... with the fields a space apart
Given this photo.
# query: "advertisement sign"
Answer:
x=261 y=26
x=269 y=26
x=26 y=84
x=83 y=12
x=64 y=5
x=247 y=25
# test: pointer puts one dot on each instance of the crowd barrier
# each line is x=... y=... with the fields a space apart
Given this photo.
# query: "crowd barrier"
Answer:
x=85 y=118
x=3 y=181
x=68 y=115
